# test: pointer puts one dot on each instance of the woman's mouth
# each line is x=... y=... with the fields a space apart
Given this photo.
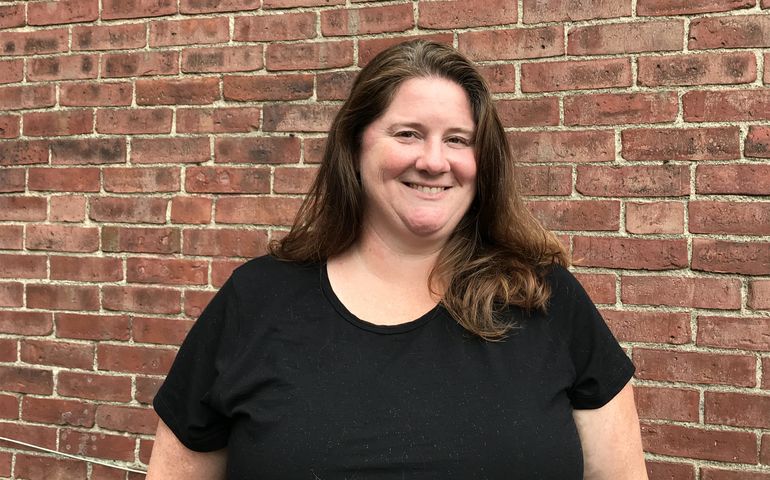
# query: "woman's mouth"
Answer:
x=426 y=189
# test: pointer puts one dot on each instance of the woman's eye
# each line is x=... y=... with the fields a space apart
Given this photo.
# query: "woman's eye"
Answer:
x=459 y=141
x=407 y=134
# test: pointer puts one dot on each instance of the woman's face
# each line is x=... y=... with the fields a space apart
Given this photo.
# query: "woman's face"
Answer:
x=417 y=162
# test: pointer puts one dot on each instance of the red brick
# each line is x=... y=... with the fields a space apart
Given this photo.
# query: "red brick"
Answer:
x=737 y=409
x=313 y=149
x=700 y=69
x=195 y=301
x=284 y=117
x=146 y=388
x=35 y=42
x=93 y=94
x=300 y=3
x=527 y=113
x=11 y=237
x=12 y=16
x=695 y=367
x=88 y=151
x=225 y=242
x=69 y=67
x=630 y=253
x=738 y=218
x=25 y=323
x=64 y=179
x=118 y=9
x=735 y=31
x=189 y=32
x=636 y=181
x=141 y=240
x=368 y=20
x=68 y=208
x=11 y=295
x=97 y=444
x=334 y=85
x=600 y=287
x=109 y=37
x=170 y=150
x=135 y=64
x=577 y=215
x=205 y=6
x=62 y=11
x=655 y=217
x=649 y=327
x=175 y=271
x=659 y=403
x=716 y=143
x=613 y=109
x=50 y=468
x=758 y=146
x=270 y=28
x=512 y=44
x=676 y=440
x=191 y=210
x=133 y=359
x=293 y=180
x=27 y=96
x=677 y=7
x=22 y=266
x=745 y=179
x=222 y=59
x=716 y=293
x=86 y=269
x=126 y=419
x=58 y=412
x=12 y=180
x=222 y=269
x=708 y=473
x=634 y=37
x=165 y=331
x=92 y=327
x=26 y=380
x=309 y=56
x=70 y=355
x=759 y=294
x=9 y=407
x=227 y=180
x=563 y=146
x=141 y=299
x=5 y=463
x=32 y=434
x=750 y=258
x=575 y=75
x=101 y=472
x=546 y=180
x=11 y=71
x=23 y=152
x=10 y=126
x=194 y=91
x=47 y=124
x=128 y=209
x=500 y=77
x=134 y=120
x=764 y=455
x=459 y=14
x=538 y=11
x=63 y=238
x=257 y=150
x=62 y=297
x=369 y=47
x=268 y=87
x=726 y=105
x=257 y=210
x=217 y=120
x=94 y=387
x=745 y=333
x=131 y=180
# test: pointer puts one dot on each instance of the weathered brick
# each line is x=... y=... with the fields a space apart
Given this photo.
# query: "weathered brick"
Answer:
x=132 y=121
x=695 y=367
x=268 y=87
x=141 y=240
x=118 y=9
x=655 y=217
x=33 y=466
x=96 y=94
x=23 y=152
x=48 y=124
x=309 y=56
x=27 y=96
x=176 y=271
x=736 y=31
x=227 y=180
x=334 y=85
x=283 y=117
x=146 y=388
x=68 y=67
x=135 y=64
x=368 y=20
x=613 y=109
x=750 y=258
x=737 y=409
x=599 y=286
x=715 y=143
x=217 y=120
x=744 y=179
x=757 y=146
x=222 y=59
x=575 y=75
x=163 y=331
x=11 y=237
x=726 y=105
x=636 y=181
x=270 y=28
x=22 y=208
x=699 y=69
x=58 y=412
x=695 y=292
x=127 y=419
x=708 y=473
x=369 y=47
x=92 y=327
x=26 y=323
x=191 y=210
x=141 y=299
x=691 y=442
x=737 y=218
x=170 y=150
x=133 y=359
x=88 y=151
x=528 y=113
x=62 y=297
x=538 y=11
x=26 y=380
x=109 y=37
x=512 y=44
x=128 y=209
x=34 y=42
x=299 y=3
x=677 y=7
x=257 y=210
x=563 y=146
x=577 y=215
x=62 y=238
x=12 y=16
x=459 y=14
x=313 y=149
x=225 y=242
x=62 y=11
x=222 y=269
x=11 y=71
x=745 y=333
x=205 y=6
x=57 y=353
x=131 y=180
x=195 y=301
x=189 y=32
x=662 y=403
x=759 y=294
x=86 y=269
x=10 y=127
x=22 y=266
x=93 y=387
x=193 y=91
x=650 y=327
x=12 y=180
x=11 y=295
x=64 y=179
x=630 y=253
x=545 y=180
x=97 y=444
x=656 y=36
x=293 y=180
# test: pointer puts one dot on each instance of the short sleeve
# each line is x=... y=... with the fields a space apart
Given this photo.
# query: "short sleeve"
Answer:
x=601 y=366
x=183 y=401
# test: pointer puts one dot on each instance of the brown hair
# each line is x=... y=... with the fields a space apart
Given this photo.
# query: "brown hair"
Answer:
x=498 y=253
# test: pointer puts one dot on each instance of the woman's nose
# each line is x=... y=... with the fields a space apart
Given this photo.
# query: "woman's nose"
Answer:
x=433 y=159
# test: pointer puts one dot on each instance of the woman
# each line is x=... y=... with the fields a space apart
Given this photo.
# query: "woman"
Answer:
x=416 y=322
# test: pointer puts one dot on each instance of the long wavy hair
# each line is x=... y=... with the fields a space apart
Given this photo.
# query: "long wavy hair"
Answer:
x=498 y=253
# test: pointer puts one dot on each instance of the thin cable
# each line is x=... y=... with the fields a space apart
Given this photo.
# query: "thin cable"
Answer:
x=85 y=459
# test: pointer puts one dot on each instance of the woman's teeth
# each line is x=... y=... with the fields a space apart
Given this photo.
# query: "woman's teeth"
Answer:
x=424 y=189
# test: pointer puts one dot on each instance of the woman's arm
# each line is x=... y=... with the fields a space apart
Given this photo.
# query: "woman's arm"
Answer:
x=612 y=443
x=171 y=460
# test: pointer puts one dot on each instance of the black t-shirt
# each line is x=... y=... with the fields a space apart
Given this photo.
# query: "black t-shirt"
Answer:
x=277 y=370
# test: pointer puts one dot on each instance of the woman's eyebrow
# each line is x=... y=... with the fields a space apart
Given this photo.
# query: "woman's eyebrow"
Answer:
x=420 y=126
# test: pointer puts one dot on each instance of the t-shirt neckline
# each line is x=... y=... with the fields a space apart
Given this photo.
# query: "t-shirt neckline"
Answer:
x=343 y=311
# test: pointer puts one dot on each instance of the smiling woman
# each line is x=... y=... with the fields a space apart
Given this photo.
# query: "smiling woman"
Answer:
x=416 y=322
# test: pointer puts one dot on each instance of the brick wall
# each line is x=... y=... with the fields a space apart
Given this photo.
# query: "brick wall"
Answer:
x=150 y=146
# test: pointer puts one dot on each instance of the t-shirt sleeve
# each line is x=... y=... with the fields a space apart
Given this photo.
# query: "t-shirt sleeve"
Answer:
x=601 y=366
x=183 y=401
